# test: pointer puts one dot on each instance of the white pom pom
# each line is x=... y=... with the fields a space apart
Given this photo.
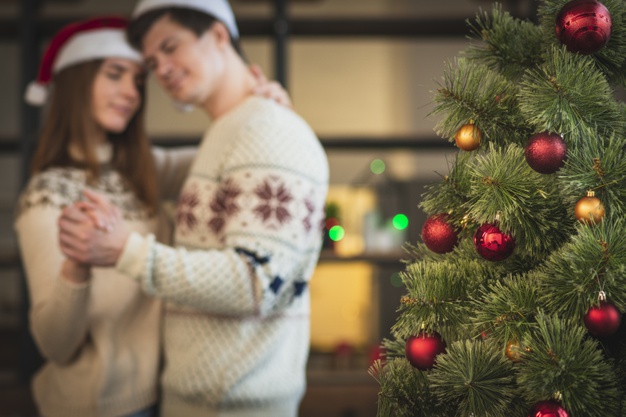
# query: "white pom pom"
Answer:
x=183 y=107
x=36 y=94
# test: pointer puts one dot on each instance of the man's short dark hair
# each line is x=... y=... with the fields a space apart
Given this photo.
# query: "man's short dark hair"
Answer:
x=194 y=20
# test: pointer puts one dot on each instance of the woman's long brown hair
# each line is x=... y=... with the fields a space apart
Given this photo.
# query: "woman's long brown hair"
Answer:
x=69 y=122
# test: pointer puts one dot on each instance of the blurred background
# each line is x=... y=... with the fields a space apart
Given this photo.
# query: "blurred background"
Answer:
x=362 y=73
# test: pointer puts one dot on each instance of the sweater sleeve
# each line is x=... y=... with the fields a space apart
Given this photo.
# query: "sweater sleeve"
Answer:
x=260 y=214
x=172 y=168
x=58 y=313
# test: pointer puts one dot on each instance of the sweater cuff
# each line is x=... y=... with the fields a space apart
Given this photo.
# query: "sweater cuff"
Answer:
x=69 y=291
x=133 y=258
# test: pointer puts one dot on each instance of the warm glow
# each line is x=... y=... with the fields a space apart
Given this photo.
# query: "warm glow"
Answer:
x=341 y=305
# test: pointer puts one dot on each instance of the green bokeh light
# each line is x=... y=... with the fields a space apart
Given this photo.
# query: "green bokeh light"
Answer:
x=377 y=166
x=400 y=221
x=336 y=233
x=396 y=280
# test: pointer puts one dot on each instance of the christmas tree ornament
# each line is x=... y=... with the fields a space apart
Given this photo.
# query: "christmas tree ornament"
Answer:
x=438 y=235
x=546 y=152
x=548 y=408
x=584 y=26
x=589 y=209
x=604 y=319
x=422 y=350
x=468 y=137
x=493 y=244
x=513 y=351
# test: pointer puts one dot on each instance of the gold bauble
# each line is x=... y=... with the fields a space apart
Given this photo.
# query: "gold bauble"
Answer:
x=513 y=351
x=468 y=137
x=589 y=209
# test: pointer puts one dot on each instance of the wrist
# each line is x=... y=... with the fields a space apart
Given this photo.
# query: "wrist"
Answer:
x=75 y=272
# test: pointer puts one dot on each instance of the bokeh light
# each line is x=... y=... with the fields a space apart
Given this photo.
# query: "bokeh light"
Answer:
x=400 y=221
x=396 y=280
x=377 y=166
x=336 y=233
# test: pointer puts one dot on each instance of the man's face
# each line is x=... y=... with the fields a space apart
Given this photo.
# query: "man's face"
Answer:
x=186 y=66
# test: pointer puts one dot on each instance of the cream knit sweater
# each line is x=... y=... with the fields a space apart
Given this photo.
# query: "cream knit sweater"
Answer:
x=248 y=235
x=101 y=338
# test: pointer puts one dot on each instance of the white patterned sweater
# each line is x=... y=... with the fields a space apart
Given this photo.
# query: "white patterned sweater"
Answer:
x=248 y=236
x=101 y=338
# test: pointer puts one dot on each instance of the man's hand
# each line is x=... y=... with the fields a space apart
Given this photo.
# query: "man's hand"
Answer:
x=93 y=231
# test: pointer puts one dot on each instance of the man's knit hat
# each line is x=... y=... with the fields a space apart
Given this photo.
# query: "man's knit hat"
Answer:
x=220 y=9
x=87 y=40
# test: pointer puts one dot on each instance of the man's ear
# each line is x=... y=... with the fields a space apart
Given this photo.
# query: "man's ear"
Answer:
x=221 y=34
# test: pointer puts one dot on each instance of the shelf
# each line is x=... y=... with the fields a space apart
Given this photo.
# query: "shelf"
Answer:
x=12 y=259
x=387 y=258
x=298 y=27
x=343 y=142
x=10 y=145
x=9 y=259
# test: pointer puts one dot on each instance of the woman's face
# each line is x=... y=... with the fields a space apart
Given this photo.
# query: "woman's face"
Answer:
x=115 y=94
x=188 y=67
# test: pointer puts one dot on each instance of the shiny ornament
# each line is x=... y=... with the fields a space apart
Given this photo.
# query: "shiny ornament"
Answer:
x=493 y=244
x=422 y=350
x=589 y=209
x=549 y=408
x=584 y=26
x=468 y=137
x=603 y=320
x=546 y=152
x=513 y=351
x=438 y=235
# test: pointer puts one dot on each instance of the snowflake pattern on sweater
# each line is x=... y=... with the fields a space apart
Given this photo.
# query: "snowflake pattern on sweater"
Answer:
x=59 y=187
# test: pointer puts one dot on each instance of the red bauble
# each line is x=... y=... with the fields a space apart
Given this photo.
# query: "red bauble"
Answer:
x=546 y=152
x=549 y=408
x=584 y=26
x=438 y=235
x=493 y=244
x=421 y=350
x=603 y=320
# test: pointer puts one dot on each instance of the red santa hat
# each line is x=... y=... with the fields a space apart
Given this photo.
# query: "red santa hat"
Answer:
x=220 y=9
x=87 y=40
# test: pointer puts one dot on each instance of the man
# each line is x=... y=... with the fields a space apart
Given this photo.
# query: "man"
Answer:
x=248 y=226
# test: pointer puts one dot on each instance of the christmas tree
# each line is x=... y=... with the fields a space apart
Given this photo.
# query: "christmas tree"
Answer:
x=513 y=300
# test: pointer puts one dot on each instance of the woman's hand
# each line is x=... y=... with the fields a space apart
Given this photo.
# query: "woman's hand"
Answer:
x=269 y=89
x=93 y=231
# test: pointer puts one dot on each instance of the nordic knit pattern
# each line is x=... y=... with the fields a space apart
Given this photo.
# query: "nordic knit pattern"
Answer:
x=101 y=338
x=248 y=235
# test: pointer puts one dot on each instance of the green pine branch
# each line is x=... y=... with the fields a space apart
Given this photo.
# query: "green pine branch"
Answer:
x=450 y=194
x=472 y=92
x=594 y=260
x=507 y=45
x=502 y=182
x=568 y=93
x=478 y=378
x=563 y=359
x=504 y=311
x=438 y=296
x=405 y=392
x=596 y=164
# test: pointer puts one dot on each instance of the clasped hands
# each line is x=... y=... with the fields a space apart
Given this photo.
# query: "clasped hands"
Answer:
x=93 y=231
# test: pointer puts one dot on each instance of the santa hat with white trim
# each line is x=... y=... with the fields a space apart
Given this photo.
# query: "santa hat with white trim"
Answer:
x=87 y=40
x=220 y=9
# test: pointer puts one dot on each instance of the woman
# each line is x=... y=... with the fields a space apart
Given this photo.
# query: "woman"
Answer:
x=99 y=333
